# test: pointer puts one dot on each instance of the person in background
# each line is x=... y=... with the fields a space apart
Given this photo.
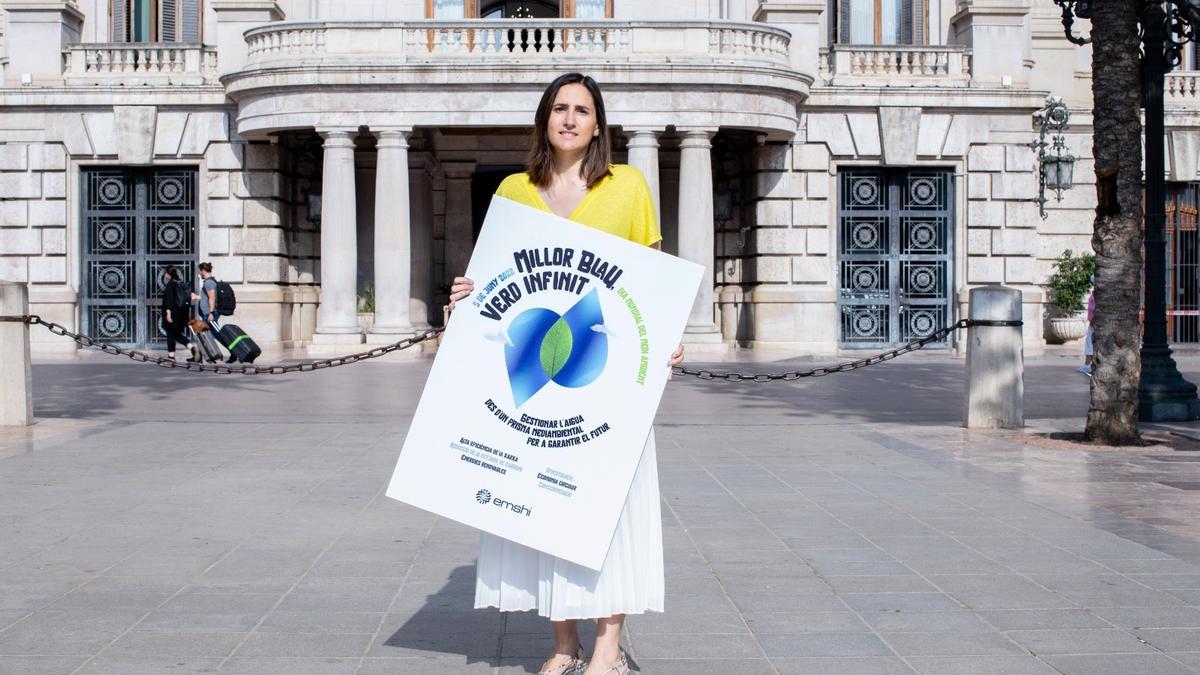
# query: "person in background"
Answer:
x=208 y=296
x=177 y=309
x=1088 y=350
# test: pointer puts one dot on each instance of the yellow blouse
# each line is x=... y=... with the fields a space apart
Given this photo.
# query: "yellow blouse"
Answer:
x=620 y=204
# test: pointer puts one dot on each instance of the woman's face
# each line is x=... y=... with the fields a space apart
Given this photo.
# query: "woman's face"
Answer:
x=572 y=119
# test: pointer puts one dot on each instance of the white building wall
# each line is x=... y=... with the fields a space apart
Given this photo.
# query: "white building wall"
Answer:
x=777 y=283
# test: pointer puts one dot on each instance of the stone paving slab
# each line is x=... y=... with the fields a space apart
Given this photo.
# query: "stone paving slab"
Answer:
x=842 y=526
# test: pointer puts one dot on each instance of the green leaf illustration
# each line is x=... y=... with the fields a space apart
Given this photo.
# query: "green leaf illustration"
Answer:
x=556 y=347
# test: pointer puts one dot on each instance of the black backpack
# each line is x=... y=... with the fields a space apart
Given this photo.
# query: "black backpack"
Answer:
x=226 y=300
x=182 y=297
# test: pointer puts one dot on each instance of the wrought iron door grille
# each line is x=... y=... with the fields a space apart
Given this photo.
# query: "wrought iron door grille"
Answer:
x=136 y=223
x=895 y=255
x=1183 y=264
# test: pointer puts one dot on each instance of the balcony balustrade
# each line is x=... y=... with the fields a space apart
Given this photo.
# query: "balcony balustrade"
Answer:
x=509 y=40
x=134 y=64
x=895 y=65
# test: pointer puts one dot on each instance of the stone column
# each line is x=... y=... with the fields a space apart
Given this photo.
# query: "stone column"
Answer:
x=643 y=155
x=337 y=321
x=460 y=235
x=393 y=238
x=696 y=227
x=421 y=293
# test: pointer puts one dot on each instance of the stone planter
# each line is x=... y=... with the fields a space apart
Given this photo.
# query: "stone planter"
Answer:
x=365 y=321
x=1069 y=328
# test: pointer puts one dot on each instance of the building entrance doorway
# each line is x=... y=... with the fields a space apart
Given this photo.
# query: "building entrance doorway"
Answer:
x=895 y=255
x=484 y=182
x=1183 y=264
x=136 y=224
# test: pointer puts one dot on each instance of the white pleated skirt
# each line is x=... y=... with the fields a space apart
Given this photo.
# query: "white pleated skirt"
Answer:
x=515 y=578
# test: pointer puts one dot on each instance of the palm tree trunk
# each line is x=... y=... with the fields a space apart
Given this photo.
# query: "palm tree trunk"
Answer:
x=1117 y=239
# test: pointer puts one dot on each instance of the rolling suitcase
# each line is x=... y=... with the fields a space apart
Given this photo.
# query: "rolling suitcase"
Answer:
x=240 y=346
x=207 y=343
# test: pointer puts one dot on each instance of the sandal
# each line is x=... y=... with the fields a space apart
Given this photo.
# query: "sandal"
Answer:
x=575 y=666
x=621 y=667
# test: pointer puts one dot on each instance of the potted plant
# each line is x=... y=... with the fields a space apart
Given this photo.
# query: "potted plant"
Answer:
x=366 y=308
x=1070 y=284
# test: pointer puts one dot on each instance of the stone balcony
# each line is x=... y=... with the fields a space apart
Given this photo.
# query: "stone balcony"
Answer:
x=490 y=72
x=132 y=64
x=512 y=41
x=1182 y=89
x=895 y=66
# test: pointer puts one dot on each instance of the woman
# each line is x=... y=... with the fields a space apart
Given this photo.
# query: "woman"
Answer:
x=569 y=172
x=176 y=312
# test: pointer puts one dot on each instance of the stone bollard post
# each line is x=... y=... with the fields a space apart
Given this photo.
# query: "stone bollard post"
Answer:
x=16 y=381
x=995 y=395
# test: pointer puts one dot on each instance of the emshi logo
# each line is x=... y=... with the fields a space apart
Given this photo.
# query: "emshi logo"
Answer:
x=484 y=496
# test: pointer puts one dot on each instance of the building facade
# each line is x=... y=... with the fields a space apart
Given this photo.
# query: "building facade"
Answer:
x=845 y=169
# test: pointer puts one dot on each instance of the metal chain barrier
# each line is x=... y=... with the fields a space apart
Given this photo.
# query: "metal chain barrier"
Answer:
x=936 y=336
x=222 y=369
x=307 y=366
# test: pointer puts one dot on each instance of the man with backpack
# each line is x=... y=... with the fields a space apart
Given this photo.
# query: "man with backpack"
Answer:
x=216 y=300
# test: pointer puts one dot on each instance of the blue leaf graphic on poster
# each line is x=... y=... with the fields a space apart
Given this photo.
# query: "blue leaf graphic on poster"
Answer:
x=545 y=347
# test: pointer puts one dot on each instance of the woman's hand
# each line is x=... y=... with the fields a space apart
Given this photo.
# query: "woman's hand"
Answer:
x=461 y=288
x=195 y=296
x=676 y=359
x=169 y=319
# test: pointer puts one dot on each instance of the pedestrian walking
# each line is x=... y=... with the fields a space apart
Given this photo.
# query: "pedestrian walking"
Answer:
x=208 y=296
x=210 y=308
x=1088 y=348
x=176 y=310
x=569 y=172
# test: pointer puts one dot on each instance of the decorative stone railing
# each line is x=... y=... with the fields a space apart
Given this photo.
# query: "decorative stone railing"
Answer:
x=1182 y=87
x=516 y=39
x=140 y=64
x=895 y=65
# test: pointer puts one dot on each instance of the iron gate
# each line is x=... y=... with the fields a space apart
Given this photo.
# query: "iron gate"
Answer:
x=895 y=255
x=1183 y=263
x=136 y=223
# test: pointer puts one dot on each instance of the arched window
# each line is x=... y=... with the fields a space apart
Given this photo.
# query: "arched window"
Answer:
x=882 y=22
x=155 y=20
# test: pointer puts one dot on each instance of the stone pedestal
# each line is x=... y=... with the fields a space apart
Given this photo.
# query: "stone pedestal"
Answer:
x=36 y=33
x=801 y=18
x=696 y=228
x=998 y=33
x=16 y=381
x=235 y=17
x=995 y=386
x=337 y=322
x=392 y=239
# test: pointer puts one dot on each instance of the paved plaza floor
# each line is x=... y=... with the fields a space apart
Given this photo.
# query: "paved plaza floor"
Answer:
x=160 y=521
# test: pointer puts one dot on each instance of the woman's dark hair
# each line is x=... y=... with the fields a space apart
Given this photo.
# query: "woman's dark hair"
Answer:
x=206 y=267
x=172 y=273
x=540 y=162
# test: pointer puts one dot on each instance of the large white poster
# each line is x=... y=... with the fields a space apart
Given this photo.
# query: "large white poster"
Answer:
x=546 y=384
